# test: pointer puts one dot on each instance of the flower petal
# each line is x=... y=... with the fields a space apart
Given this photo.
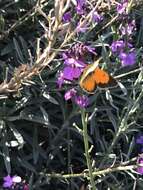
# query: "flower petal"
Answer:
x=16 y=179
x=68 y=73
x=139 y=140
x=127 y=58
x=76 y=72
x=82 y=101
x=67 y=17
x=7 y=181
x=140 y=168
x=69 y=94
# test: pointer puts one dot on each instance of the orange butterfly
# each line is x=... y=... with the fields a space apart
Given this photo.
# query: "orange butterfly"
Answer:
x=94 y=77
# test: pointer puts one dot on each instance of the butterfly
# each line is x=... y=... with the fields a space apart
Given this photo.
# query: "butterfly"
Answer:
x=94 y=77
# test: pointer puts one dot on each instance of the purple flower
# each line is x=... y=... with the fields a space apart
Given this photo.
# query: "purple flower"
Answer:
x=96 y=17
x=127 y=58
x=117 y=46
x=74 y=62
x=60 y=80
x=82 y=101
x=90 y=49
x=139 y=140
x=70 y=94
x=80 y=6
x=121 y=7
x=9 y=181
x=128 y=29
x=67 y=17
x=72 y=70
x=73 y=67
x=78 y=52
x=140 y=168
x=81 y=28
x=70 y=61
x=71 y=73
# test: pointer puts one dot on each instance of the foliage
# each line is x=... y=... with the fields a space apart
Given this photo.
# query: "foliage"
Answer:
x=48 y=138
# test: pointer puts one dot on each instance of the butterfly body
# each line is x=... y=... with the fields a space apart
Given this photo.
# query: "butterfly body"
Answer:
x=94 y=77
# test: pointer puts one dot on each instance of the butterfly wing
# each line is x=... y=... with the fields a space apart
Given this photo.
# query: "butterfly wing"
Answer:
x=88 y=83
x=94 y=77
x=103 y=79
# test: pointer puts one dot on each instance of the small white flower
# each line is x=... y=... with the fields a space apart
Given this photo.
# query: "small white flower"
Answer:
x=16 y=179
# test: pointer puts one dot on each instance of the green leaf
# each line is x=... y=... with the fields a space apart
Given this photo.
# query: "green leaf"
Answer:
x=18 y=51
x=35 y=146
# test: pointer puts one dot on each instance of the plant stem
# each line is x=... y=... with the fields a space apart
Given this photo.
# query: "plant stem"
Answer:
x=85 y=175
x=86 y=145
